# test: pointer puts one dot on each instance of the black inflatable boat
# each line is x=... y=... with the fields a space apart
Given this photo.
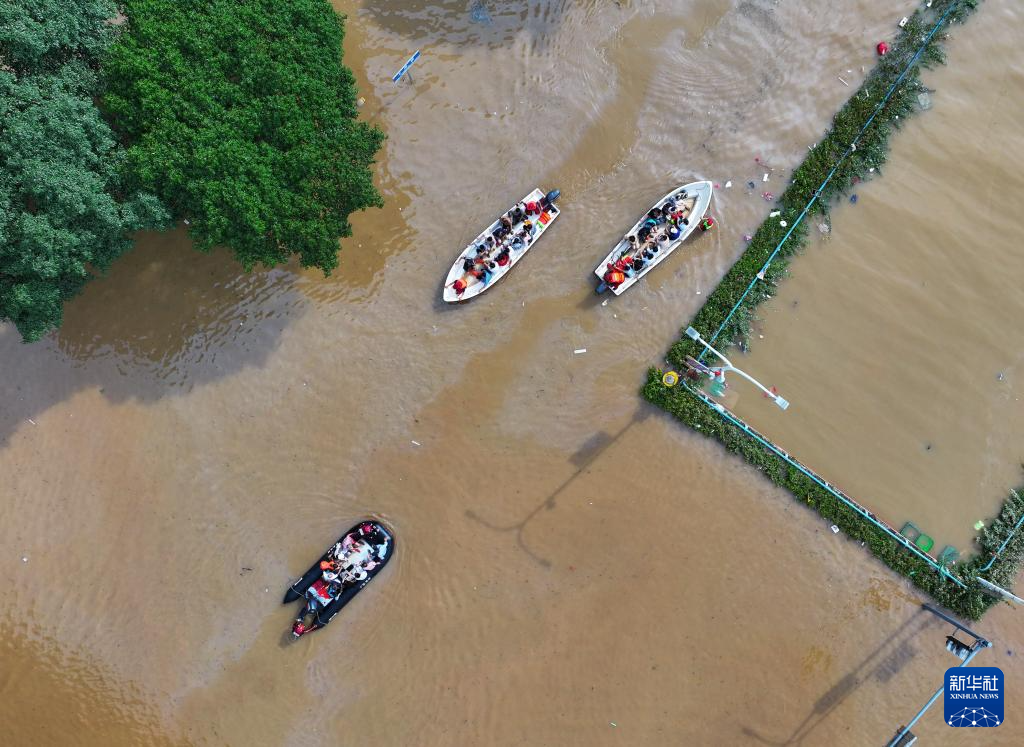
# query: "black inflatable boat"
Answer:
x=331 y=583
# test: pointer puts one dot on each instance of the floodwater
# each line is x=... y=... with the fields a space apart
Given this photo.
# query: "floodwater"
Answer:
x=572 y=567
x=896 y=338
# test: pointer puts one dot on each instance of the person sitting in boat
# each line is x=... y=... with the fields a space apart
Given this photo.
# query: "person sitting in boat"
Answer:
x=673 y=233
x=528 y=226
x=679 y=217
x=354 y=575
x=503 y=258
x=669 y=207
x=614 y=278
x=663 y=240
x=654 y=215
x=518 y=213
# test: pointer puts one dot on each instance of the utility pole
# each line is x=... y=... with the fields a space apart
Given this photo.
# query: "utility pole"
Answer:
x=904 y=737
x=695 y=336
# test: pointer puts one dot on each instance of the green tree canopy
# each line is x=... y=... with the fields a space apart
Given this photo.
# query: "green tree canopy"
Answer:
x=63 y=210
x=241 y=116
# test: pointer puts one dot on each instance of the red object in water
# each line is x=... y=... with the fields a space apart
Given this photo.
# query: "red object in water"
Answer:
x=882 y=48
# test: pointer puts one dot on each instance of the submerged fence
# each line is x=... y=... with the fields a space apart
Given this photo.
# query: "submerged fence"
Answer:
x=855 y=147
x=730 y=417
x=852 y=148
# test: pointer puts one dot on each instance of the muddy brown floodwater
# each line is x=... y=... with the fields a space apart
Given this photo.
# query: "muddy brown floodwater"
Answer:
x=897 y=338
x=573 y=568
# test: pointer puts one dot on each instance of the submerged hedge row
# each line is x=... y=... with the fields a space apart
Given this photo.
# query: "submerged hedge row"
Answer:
x=833 y=152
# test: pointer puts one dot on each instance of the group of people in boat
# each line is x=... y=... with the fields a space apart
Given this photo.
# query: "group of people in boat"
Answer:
x=346 y=564
x=493 y=251
x=661 y=228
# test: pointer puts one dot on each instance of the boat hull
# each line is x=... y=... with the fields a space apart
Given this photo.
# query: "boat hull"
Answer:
x=702 y=191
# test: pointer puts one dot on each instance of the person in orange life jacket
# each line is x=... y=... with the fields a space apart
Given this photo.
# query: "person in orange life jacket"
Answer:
x=621 y=264
x=614 y=278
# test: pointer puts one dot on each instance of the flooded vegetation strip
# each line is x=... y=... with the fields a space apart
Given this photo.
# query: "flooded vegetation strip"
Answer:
x=854 y=149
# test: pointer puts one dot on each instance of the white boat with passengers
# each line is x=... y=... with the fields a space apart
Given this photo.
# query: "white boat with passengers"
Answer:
x=491 y=255
x=657 y=234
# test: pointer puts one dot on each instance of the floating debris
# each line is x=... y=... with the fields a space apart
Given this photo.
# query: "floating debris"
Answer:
x=579 y=351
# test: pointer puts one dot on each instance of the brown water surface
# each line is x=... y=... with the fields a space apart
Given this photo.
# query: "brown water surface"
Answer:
x=572 y=567
x=897 y=338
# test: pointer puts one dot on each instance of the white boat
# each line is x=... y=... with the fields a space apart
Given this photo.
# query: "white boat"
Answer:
x=693 y=200
x=472 y=275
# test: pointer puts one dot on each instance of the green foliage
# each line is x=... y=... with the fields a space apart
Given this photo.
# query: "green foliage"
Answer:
x=242 y=118
x=42 y=35
x=870 y=154
x=64 y=212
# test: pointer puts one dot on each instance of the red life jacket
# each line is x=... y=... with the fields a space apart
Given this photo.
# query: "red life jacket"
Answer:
x=615 y=278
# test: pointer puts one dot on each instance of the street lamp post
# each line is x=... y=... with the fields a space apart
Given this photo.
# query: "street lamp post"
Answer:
x=695 y=335
x=904 y=737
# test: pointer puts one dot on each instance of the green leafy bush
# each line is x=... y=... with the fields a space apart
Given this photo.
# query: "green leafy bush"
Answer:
x=242 y=118
x=65 y=212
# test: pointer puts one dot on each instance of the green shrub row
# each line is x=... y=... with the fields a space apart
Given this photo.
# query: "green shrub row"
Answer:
x=862 y=163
